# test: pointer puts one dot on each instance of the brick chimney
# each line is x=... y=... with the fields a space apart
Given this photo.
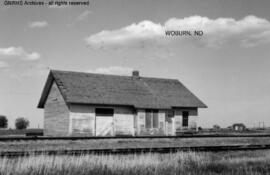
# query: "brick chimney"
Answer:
x=135 y=74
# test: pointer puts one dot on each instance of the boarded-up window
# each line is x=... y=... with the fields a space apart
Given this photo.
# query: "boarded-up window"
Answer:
x=151 y=118
x=185 y=118
x=104 y=112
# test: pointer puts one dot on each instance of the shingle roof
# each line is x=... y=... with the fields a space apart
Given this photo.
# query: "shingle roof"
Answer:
x=140 y=92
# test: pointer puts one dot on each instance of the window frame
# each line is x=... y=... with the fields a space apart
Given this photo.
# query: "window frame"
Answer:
x=185 y=118
x=151 y=115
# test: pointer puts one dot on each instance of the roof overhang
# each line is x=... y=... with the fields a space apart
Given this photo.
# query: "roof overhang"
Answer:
x=46 y=90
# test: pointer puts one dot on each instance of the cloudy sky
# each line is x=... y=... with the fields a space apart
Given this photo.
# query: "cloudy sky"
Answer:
x=227 y=68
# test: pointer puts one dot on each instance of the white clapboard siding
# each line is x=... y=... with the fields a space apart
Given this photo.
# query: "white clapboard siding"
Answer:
x=83 y=125
x=82 y=120
x=124 y=125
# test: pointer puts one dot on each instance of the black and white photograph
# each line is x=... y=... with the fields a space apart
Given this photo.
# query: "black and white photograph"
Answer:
x=125 y=87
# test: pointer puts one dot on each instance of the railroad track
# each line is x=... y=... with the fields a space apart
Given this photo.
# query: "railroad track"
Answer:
x=31 y=138
x=134 y=150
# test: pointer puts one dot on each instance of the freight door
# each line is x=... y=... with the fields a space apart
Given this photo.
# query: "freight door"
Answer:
x=104 y=121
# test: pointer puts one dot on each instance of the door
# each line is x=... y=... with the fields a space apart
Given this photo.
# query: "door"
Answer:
x=104 y=121
x=170 y=123
x=185 y=115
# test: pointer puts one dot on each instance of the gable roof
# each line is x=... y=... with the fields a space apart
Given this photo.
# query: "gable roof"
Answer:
x=140 y=92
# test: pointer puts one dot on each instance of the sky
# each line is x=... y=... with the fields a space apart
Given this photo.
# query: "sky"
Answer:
x=227 y=67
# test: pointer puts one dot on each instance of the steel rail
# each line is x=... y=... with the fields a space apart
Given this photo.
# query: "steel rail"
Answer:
x=32 y=138
x=134 y=150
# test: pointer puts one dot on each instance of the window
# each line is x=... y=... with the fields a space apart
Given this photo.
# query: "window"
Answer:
x=104 y=112
x=185 y=118
x=155 y=119
x=151 y=118
x=148 y=119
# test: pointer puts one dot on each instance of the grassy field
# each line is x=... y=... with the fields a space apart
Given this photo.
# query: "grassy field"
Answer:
x=203 y=163
x=127 y=143
x=240 y=163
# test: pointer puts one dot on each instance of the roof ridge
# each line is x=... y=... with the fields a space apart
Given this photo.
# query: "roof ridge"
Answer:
x=114 y=75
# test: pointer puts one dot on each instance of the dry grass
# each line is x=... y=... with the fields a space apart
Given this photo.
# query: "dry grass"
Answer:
x=127 y=143
x=256 y=162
